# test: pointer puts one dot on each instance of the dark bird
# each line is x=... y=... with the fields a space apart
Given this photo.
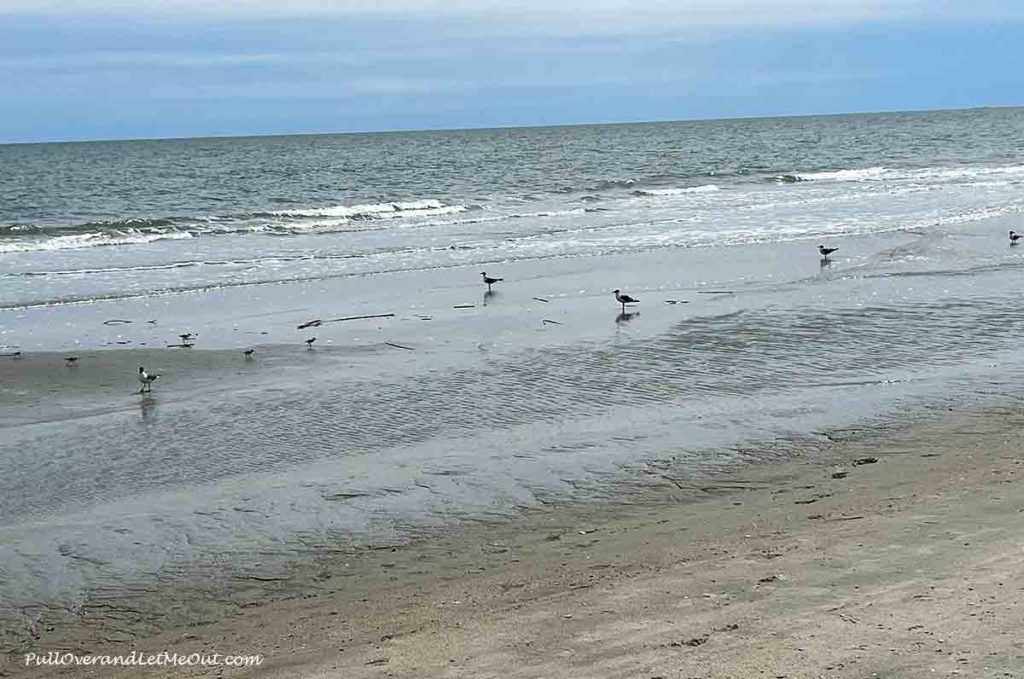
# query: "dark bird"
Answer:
x=624 y=299
x=1014 y=237
x=825 y=252
x=490 y=281
x=187 y=336
x=70 y=360
x=249 y=352
x=146 y=379
x=309 y=342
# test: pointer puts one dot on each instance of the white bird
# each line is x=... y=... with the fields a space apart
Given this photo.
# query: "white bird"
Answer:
x=624 y=299
x=1014 y=237
x=825 y=252
x=490 y=281
x=146 y=379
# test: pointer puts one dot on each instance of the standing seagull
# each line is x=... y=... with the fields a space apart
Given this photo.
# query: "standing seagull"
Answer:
x=624 y=299
x=1014 y=237
x=146 y=379
x=71 y=360
x=825 y=252
x=309 y=342
x=490 y=281
x=248 y=353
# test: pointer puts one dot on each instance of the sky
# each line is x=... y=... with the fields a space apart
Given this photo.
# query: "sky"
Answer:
x=114 y=69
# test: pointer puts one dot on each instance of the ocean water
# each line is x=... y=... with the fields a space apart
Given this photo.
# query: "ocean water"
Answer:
x=465 y=406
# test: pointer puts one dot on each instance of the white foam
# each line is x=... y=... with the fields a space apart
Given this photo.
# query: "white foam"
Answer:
x=864 y=174
x=91 y=240
x=371 y=209
x=927 y=173
x=703 y=188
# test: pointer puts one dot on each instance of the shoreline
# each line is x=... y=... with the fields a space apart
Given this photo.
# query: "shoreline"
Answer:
x=771 y=573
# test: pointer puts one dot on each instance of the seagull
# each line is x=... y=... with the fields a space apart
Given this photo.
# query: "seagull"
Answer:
x=309 y=342
x=825 y=252
x=624 y=299
x=490 y=281
x=146 y=379
x=249 y=352
x=1014 y=237
x=70 y=360
x=186 y=336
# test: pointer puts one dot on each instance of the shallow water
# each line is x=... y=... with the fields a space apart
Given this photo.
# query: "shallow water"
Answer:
x=744 y=345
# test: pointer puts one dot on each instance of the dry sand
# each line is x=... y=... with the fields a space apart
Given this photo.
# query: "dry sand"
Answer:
x=906 y=567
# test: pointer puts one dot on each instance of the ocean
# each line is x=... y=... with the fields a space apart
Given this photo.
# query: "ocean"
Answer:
x=450 y=405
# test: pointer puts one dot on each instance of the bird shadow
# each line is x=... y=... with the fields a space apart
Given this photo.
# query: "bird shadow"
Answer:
x=489 y=294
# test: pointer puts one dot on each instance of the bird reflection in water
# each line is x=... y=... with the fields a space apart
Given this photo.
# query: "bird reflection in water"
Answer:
x=625 y=317
x=147 y=408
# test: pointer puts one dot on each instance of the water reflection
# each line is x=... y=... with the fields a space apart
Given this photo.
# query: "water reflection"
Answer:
x=147 y=408
x=626 y=317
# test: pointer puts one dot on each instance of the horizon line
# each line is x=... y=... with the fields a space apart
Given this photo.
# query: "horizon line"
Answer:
x=428 y=130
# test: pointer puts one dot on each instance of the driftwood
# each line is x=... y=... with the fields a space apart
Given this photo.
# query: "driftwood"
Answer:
x=116 y=321
x=316 y=323
x=358 y=318
x=399 y=346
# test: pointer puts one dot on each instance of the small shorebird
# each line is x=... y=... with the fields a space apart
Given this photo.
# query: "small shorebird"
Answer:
x=187 y=336
x=624 y=299
x=309 y=342
x=825 y=252
x=70 y=360
x=249 y=352
x=146 y=379
x=1014 y=237
x=490 y=281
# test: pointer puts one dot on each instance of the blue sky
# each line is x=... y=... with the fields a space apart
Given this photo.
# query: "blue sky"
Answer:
x=112 y=69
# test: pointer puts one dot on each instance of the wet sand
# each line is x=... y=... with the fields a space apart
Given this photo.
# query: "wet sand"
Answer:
x=904 y=567
x=467 y=507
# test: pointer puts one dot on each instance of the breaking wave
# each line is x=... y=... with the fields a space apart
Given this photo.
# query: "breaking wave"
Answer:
x=704 y=188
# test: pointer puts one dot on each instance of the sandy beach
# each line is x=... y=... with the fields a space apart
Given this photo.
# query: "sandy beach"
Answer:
x=880 y=554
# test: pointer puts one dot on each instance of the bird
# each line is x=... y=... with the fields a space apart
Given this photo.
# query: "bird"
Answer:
x=309 y=342
x=146 y=379
x=490 y=281
x=1014 y=237
x=186 y=336
x=249 y=352
x=624 y=299
x=825 y=252
x=70 y=360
